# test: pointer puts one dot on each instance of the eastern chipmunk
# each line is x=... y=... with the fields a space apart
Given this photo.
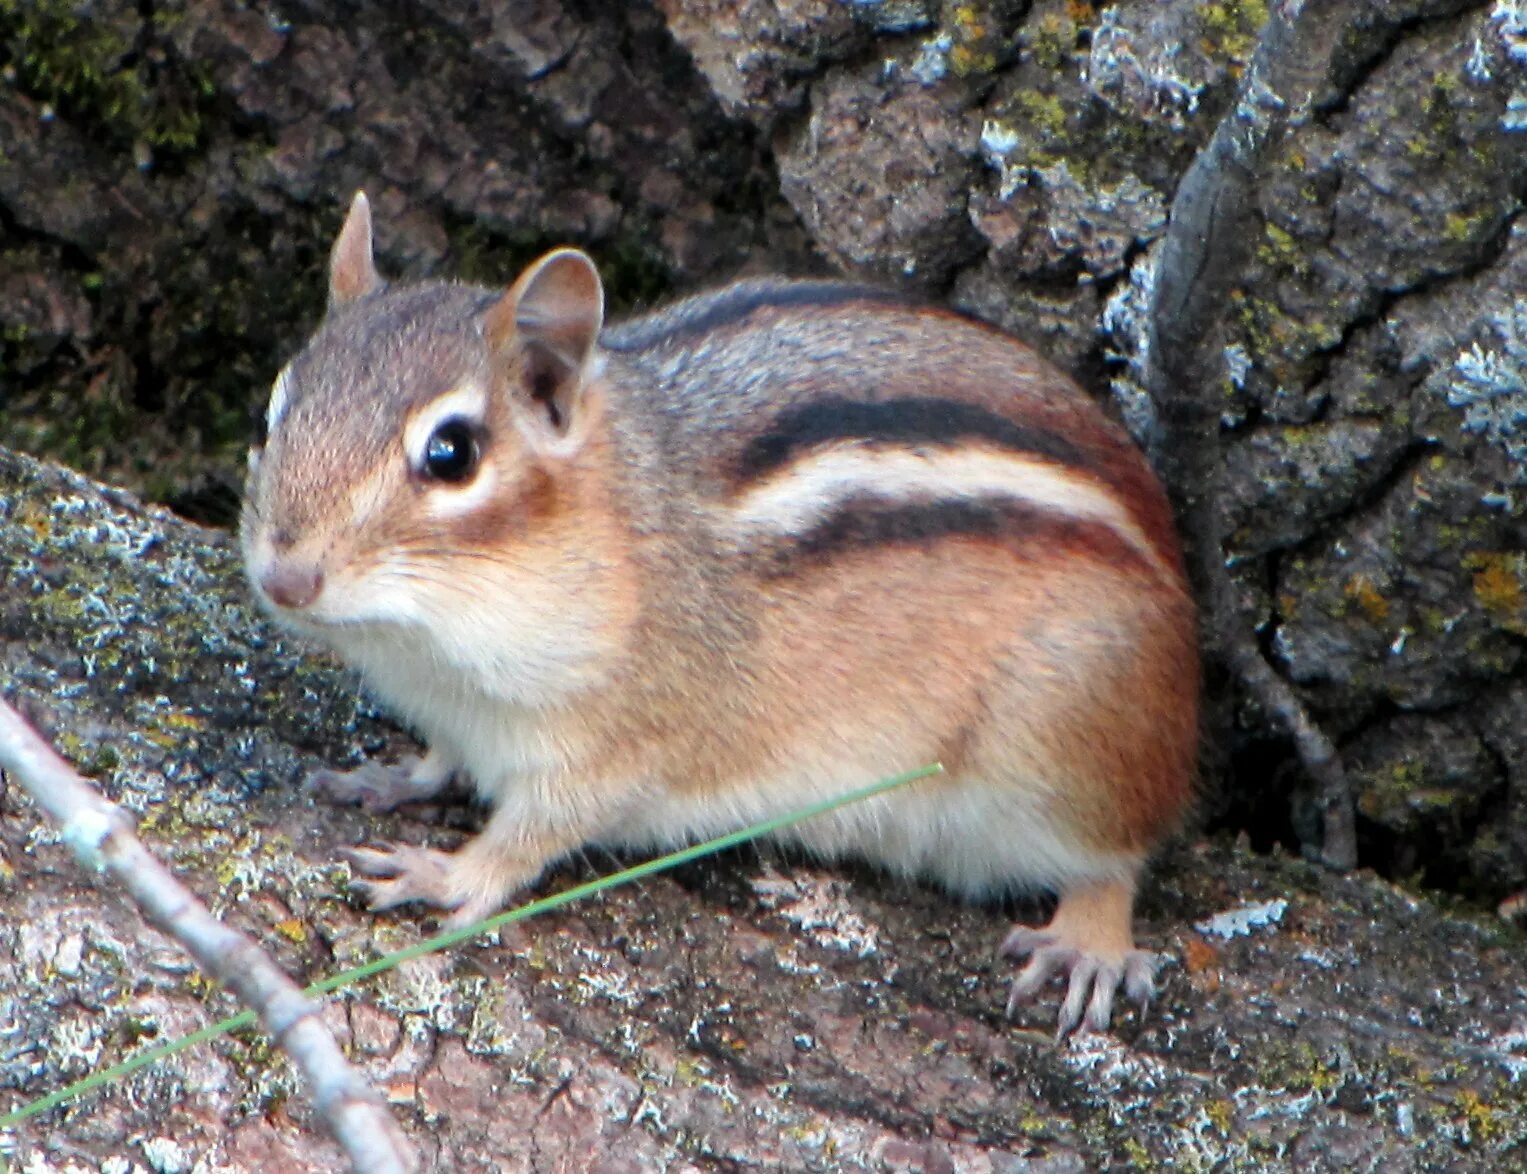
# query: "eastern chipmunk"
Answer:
x=650 y=581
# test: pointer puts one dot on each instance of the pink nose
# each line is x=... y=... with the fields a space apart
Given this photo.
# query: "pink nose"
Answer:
x=292 y=585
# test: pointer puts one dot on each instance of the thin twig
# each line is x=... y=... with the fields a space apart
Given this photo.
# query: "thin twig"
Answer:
x=1202 y=258
x=101 y=836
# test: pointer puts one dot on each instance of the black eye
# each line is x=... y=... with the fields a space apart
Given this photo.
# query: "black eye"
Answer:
x=451 y=452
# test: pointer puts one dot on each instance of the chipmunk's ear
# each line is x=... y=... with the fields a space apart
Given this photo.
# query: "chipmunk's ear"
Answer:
x=352 y=271
x=542 y=335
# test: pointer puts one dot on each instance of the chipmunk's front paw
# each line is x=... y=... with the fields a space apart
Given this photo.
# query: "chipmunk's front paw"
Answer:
x=469 y=885
x=399 y=873
x=379 y=786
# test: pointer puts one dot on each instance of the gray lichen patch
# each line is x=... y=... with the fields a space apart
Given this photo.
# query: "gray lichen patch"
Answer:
x=1488 y=381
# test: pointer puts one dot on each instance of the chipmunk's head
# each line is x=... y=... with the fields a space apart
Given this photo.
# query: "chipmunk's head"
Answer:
x=426 y=465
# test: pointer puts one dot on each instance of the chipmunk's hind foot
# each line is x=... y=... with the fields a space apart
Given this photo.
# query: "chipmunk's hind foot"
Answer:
x=1090 y=942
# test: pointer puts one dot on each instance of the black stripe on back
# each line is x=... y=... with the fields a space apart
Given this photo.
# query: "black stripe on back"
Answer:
x=736 y=303
x=907 y=420
x=861 y=524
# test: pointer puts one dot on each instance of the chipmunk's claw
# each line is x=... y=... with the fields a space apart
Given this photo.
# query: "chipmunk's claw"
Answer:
x=467 y=886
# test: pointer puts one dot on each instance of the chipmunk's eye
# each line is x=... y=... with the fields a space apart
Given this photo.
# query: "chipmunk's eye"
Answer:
x=451 y=452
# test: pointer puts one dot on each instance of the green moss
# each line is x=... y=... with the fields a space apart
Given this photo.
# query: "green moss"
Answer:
x=74 y=424
x=489 y=256
x=634 y=273
x=118 y=74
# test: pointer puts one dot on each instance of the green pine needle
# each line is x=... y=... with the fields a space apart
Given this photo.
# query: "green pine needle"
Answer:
x=452 y=937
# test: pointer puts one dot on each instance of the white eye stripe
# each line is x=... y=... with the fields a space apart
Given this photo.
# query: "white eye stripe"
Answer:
x=276 y=409
x=468 y=402
x=447 y=501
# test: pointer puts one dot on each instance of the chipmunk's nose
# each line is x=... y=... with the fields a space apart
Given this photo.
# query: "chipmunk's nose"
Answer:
x=292 y=585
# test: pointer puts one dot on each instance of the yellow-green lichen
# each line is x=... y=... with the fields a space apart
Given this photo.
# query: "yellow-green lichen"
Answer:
x=1483 y=1119
x=1051 y=40
x=59 y=606
x=975 y=36
x=1461 y=228
x=1365 y=594
x=1138 y=1157
x=1500 y=587
x=1043 y=114
x=1282 y=344
x=1280 y=249
x=1231 y=29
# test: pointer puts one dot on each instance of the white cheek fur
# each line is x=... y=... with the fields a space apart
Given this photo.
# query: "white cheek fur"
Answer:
x=492 y=634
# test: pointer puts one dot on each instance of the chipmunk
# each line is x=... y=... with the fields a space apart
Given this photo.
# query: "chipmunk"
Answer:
x=650 y=581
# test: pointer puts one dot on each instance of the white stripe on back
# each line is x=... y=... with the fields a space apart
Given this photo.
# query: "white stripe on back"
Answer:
x=808 y=492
